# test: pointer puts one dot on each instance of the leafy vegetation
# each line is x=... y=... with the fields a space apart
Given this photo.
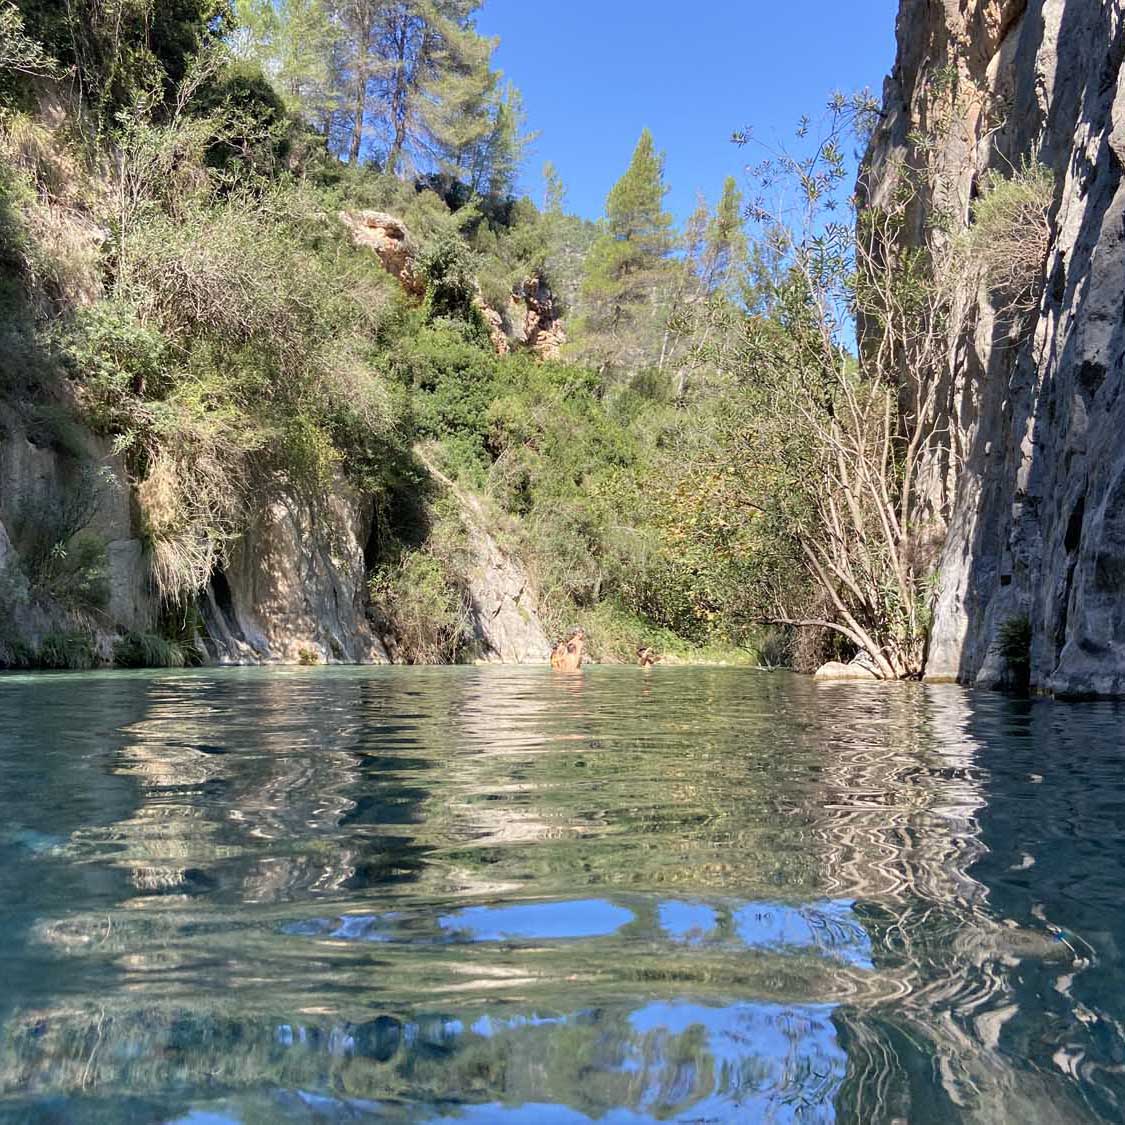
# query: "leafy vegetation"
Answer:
x=1010 y=233
x=1014 y=647
x=707 y=463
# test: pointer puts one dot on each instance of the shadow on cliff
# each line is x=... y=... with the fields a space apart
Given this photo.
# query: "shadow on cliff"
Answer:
x=1011 y=513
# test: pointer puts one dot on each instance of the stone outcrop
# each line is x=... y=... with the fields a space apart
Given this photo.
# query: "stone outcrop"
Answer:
x=56 y=483
x=494 y=322
x=503 y=601
x=294 y=588
x=1030 y=483
x=531 y=319
x=836 y=671
x=391 y=243
x=536 y=318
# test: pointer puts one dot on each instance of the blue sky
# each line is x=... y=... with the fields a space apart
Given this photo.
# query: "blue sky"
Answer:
x=595 y=72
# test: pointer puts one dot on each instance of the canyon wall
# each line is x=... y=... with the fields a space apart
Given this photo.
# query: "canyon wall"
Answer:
x=1028 y=480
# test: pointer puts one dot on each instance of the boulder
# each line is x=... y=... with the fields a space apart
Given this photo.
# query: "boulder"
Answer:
x=836 y=670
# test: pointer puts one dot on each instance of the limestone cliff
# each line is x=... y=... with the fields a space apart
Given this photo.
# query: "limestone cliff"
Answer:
x=1030 y=482
x=53 y=488
x=504 y=608
x=294 y=588
x=530 y=320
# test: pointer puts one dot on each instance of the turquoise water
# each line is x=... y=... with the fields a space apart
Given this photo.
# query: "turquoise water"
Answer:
x=502 y=895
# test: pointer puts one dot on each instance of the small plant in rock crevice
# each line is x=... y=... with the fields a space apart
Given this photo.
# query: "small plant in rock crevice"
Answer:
x=1013 y=643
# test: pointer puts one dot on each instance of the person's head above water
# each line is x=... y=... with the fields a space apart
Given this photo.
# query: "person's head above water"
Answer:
x=567 y=655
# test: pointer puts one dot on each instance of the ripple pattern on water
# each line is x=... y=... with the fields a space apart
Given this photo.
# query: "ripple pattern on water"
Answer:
x=501 y=895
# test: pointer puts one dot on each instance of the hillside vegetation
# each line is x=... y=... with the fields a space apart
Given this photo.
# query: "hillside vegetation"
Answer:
x=703 y=466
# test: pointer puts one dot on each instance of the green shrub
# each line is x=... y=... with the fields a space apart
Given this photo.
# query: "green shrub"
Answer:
x=775 y=649
x=74 y=652
x=15 y=653
x=419 y=598
x=147 y=650
x=423 y=607
x=258 y=133
x=63 y=560
x=1011 y=231
x=450 y=270
x=236 y=358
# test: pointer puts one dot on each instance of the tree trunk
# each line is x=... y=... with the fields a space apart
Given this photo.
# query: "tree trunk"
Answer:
x=360 y=107
x=400 y=94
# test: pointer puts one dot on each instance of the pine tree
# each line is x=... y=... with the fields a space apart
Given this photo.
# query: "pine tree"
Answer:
x=726 y=250
x=433 y=83
x=357 y=62
x=554 y=191
x=491 y=165
x=634 y=211
x=295 y=42
x=630 y=277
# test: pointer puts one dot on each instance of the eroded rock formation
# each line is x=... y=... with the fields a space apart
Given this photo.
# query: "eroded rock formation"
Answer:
x=538 y=323
x=1030 y=482
x=531 y=320
x=391 y=242
x=294 y=588
x=56 y=484
x=504 y=604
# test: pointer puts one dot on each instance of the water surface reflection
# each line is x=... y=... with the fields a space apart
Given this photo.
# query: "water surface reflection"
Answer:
x=498 y=895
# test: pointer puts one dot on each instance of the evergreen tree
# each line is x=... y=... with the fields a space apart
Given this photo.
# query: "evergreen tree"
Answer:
x=433 y=82
x=716 y=265
x=357 y=61
x=726 y=250
x=294 y=42
x=554 y=191
x=491 y=165
x=630 y=277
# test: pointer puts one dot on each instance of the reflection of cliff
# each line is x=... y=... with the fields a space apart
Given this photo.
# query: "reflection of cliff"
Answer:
x=203 y=820
x=715 y=1062
x=901 y=789
x=900 y=830
x=688 y=894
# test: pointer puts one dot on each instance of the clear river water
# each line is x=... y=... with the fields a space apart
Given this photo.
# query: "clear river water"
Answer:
x=505 y=895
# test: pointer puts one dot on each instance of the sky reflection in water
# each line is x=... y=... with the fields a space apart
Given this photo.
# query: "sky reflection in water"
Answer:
x=494 y=895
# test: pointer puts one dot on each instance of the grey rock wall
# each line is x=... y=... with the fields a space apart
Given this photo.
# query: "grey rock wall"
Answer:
x=294 y=588
x=503 y=602
x=1030 y=481
x=78 y=485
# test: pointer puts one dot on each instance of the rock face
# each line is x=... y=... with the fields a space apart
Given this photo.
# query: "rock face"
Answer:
x=391 y=242
x=1030 y=482
x=55 y=484
x=532 y=319
x=293 y=590
x=540 y=328
x=494 y=322
x=504 y=604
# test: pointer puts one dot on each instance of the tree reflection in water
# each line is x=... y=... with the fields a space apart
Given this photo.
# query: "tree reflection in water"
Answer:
x=494 y=894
